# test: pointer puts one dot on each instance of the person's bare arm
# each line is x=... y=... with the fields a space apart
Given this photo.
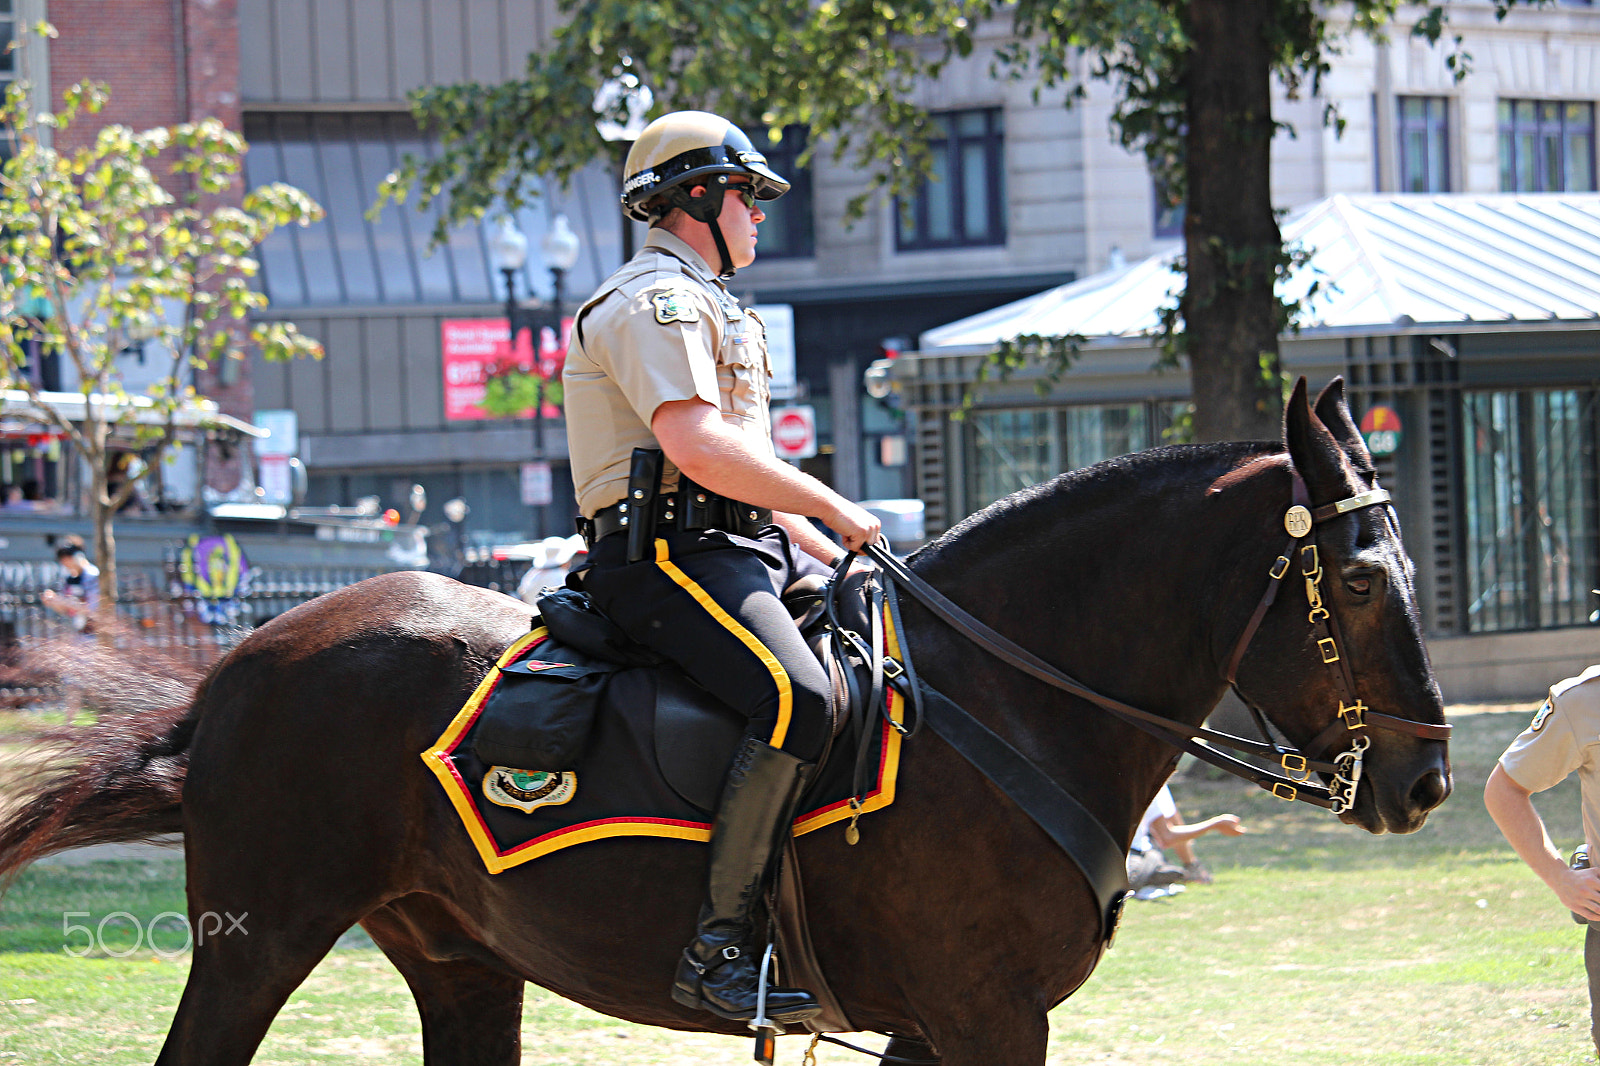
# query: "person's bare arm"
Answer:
x=718 y=456
x=1511 y=807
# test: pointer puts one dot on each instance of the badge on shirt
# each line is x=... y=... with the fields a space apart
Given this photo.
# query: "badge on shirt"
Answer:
x=674 y=307
x=1540 y=717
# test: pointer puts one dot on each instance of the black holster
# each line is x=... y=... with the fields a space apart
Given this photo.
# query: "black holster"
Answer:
x=644 y=482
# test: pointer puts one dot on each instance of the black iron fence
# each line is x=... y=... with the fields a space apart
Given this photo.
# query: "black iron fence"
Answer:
x=154 y=616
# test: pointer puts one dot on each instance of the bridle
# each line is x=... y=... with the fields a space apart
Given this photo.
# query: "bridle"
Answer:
x=1353 y=716
x=1294 y=783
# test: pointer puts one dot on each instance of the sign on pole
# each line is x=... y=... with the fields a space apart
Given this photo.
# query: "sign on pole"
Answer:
x=1381 y=429
x=537 y=489
x=779 y=320
x=794 y=431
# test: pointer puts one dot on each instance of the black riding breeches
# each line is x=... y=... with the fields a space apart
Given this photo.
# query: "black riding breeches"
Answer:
x=709 y=601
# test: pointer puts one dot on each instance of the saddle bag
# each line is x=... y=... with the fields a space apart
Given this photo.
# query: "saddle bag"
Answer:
x=540 y=715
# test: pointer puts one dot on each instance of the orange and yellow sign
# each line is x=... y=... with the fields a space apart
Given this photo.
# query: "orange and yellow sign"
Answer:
x=1381 y=429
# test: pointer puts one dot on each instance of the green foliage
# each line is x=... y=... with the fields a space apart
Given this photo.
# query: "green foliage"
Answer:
x=1054 y=354
x=513 y=391
x=97 y=251
x=844 y=68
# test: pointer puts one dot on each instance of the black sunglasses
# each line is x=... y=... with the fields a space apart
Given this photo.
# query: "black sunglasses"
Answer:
x=745 y=192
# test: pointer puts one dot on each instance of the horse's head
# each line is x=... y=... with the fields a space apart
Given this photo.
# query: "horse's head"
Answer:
x=1295 y=672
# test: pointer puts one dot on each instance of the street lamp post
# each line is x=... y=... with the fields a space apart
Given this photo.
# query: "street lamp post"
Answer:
x=509 y=249
x=623 y=96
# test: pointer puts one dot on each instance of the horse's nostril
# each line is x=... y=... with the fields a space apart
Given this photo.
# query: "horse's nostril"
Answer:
x=1429 y=791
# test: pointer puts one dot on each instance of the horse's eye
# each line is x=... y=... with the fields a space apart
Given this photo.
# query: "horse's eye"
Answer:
x=1359 y=586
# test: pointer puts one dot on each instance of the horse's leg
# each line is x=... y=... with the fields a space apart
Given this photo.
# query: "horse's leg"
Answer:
x=992 y=1032
x=239 y=978
x=471 y=1012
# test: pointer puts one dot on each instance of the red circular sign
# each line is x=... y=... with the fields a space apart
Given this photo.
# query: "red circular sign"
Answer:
x=792 y=431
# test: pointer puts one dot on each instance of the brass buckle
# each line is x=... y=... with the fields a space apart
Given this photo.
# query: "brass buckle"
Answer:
x=1310 y=565
x=1330 y=650
x=892 y=670
x=1279 y=567
x=1283 y=791
x=1353 y=715
x=1295 y=763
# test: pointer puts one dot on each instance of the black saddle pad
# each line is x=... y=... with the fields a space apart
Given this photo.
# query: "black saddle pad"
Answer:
x=653 y=766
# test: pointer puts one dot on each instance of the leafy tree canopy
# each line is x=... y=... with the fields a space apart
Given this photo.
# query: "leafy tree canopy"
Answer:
x=846 y=69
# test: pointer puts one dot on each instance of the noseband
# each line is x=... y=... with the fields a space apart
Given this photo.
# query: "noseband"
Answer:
x=1353 y=716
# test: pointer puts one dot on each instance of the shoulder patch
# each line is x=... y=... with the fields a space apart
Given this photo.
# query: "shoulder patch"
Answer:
x=1541 y=716
x=673 y=306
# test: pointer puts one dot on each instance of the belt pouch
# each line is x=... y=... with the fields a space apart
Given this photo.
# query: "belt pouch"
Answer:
x=696 y=510
x=644 y=481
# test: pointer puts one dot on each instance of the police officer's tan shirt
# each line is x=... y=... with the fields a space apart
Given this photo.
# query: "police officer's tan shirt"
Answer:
x=1563 y=737
x=662 y=328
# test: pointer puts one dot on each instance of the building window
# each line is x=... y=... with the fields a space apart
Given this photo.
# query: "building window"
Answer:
x=1529 y=496
x=1424 y=134
x=1546 y=146
x=1012 y=450
x=8 y=41
x=963 y=204
x=788 y=232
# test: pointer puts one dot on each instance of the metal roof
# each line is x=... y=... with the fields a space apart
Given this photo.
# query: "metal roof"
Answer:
x=1400 y=261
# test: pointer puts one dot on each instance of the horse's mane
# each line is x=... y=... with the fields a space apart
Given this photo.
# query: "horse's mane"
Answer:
x=1018 y=516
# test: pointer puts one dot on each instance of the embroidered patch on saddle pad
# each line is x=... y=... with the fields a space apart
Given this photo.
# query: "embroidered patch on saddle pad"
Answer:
x=514 y=815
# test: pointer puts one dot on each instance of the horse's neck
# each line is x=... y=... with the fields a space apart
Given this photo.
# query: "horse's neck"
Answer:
x=1121 y=597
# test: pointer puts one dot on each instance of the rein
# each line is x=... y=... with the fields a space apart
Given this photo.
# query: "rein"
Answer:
x=1295 y=783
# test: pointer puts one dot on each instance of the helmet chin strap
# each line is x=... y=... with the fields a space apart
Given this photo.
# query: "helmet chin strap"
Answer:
x=707 y=209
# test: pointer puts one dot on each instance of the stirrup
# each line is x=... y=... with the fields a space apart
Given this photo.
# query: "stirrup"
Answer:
x=767 y=1031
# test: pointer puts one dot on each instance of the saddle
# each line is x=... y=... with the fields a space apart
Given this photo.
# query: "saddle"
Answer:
x=545 y=726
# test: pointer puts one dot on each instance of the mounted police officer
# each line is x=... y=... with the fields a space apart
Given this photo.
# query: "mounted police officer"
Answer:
x=696 y=528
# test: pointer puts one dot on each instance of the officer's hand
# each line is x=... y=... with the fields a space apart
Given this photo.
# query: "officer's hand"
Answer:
x=856 y=525
x=1579 y=892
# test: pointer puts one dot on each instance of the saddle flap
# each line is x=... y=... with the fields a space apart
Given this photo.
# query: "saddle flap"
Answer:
x=695 y=738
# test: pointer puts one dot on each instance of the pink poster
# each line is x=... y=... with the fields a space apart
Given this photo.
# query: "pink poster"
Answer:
x=475 y=349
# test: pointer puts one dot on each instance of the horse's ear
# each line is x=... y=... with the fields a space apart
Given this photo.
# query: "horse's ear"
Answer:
x=1334 y=412
x=1312 y=447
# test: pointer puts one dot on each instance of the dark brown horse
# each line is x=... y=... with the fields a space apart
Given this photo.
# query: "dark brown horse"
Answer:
x=955 y=924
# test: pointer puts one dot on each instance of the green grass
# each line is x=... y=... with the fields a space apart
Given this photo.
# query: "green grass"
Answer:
x=1317 y=943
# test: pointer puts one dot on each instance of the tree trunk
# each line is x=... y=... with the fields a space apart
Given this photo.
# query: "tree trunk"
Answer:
x=1231 y=238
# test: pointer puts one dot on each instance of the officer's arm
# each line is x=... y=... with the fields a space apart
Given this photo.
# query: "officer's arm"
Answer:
x=1511 y=807
x=720 y=457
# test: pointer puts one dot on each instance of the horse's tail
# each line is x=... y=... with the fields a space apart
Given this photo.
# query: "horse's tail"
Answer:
x=117 y=781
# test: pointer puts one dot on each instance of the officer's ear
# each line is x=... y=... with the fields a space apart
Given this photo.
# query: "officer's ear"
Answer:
x=697 y=191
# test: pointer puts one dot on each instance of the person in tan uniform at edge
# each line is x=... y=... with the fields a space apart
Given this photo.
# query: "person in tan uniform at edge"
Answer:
x=1563 y=737
x=691 y=552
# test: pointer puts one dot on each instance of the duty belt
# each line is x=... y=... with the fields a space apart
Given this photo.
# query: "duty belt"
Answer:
x=700 y=510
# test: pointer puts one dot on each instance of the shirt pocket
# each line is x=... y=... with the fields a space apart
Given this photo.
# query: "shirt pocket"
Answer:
x=741 y=373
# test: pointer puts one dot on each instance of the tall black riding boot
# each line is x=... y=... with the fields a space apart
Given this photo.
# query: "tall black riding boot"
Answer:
x=721 y=967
